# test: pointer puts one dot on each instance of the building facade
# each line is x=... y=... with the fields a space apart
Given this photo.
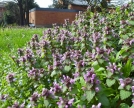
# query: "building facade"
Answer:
x=45 y=17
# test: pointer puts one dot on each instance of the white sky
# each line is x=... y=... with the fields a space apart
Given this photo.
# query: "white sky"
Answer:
x=44 y=3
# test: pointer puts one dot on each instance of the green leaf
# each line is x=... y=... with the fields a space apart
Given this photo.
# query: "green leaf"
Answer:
x=124 y=94
x=64 y=88
x=123 y=105
x=46 y=102
x=127 y=68
x=74 y=90
x=120 y=41
x=95 y=65
x=109 y=74
x=67 y=68
x=90 y=95
x=83 y=98
x=110 y=82
x=100 y=69
x=53 y=73
x=103 y=99
x=132 y=106
x=82 y=81
x=131 y=22
x=128 y=87
x=114 y=101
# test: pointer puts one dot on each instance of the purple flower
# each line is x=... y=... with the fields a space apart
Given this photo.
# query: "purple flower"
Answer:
x=56 y=88
x=132 y=88
x=97 y=89
x=46 y=93
x=133 y=101
x=132 y=41
x=89 y=76
x=112 y=67
x=61 y=102
x=34 y=97
x=99 y=105
x=122 y=83
x=10 y=77
x=67 y=80
x=20 y=52
x=76 y=74
x=96 y=106
x=15 y=105
x=3 y=97
x=34 y=73
x=70 y=102
x=65 y=103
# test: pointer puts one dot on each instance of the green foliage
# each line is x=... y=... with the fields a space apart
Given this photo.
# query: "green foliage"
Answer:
x=88 y=63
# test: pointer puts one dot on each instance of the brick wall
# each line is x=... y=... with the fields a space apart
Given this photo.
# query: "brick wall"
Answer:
x=48 y=16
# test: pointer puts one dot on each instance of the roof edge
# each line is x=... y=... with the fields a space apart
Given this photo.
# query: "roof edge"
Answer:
x=53 y=9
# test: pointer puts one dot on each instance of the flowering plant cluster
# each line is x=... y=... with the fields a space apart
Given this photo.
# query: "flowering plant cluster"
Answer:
x=86 y=64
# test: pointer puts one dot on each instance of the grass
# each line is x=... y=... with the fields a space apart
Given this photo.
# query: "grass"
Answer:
x=13 y=38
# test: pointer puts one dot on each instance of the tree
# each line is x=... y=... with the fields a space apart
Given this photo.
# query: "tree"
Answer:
x=94 y=3
x=61 y=4
x=17 y=11
x=9 y=16
x=24 y=7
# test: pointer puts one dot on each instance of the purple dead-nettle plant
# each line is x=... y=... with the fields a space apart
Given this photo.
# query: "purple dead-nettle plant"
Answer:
x=49 y=31
x=34 y=97
x=35 y=37
x=16 y=105
x=56 y=63
x=10 y=77
x=67 y=81
x=102 y=20
x=50 y=67
x=107 y=30
x=125 y=82
x=96 y=37
x=76 y=75
x=65 y=103
x=80 y=64
x=44 y=44
x=132 y=89
x=123 y=22
x=47 y=93
x=99 y=50
x=20 y=52
x=76 y=55
x=128 y=42
x=66 y=55
x=91 y=78
x=97 y=106
x=3 y=97
x=108 y=50
x=113 y=67
x=90 y=55
x=34 y=73
x=56 y=88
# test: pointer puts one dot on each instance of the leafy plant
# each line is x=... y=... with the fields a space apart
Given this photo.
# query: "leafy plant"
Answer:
x=88 y=63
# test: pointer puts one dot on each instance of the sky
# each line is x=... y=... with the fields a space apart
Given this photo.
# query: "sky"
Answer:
x=44 y=3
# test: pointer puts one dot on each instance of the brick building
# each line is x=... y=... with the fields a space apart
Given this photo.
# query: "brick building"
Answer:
x=47 y=16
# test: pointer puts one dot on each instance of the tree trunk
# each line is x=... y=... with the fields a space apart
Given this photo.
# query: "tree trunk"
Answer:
x=27 y=13
x=21 y=12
